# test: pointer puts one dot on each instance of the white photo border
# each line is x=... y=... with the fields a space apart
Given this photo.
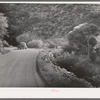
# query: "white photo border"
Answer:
x=50 y=92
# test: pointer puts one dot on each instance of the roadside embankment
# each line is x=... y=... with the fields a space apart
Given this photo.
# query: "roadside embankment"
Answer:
x=55 y=76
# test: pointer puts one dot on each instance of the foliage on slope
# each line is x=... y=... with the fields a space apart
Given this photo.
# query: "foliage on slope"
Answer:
x=46 y=20
x=55 y=76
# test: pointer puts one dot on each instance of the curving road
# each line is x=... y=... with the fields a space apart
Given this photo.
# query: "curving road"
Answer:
x=18 y=69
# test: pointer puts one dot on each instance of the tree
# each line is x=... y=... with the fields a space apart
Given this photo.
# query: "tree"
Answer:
x=51 y=20
x=83 y=36
x=23 y=38
x=3 y=25
x=46 y=21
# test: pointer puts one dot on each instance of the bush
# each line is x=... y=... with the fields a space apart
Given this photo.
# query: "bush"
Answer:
x=22 y=45
x=50 y=44
x=79 y=65
x=69 y=48
x=23 y=38
x=86 y=69
x=66 y=60
x=5 y=43
x=95 y=80
x=60 y=41
x=97 y=60
x=35 y=44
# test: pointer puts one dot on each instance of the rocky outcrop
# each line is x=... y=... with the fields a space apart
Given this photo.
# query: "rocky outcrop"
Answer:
x=55 y=76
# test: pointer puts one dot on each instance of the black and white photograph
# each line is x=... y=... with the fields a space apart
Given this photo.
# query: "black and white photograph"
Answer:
x=50 y=45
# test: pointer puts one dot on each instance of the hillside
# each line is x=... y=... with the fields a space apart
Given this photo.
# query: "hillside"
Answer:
x=47 y=20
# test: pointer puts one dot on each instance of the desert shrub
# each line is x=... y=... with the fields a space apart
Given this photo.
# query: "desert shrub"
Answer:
x=35 y=44
x=5 y=43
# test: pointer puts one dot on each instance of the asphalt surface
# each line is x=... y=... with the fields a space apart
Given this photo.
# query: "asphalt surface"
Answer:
x=18 y=69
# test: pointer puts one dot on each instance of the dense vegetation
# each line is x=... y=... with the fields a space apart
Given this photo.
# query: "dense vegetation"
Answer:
x=3 y=25
x=47 y=20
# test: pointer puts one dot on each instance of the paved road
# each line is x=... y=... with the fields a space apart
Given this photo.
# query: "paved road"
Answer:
x=18 y=69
